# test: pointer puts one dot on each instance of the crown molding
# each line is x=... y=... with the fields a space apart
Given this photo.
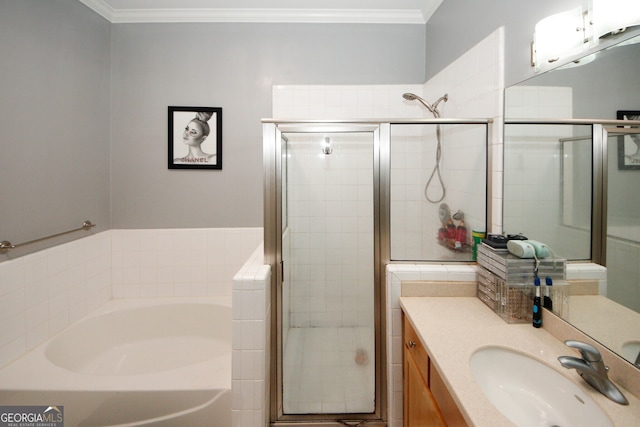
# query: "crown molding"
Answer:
x=359 y=16
x=431 y=8
x=100 y=7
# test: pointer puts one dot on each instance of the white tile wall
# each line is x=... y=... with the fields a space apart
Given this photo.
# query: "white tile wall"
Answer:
x=44 y=292
x=251 y=342
x=475 y=84
x=414 y=220
x=179 y=262
x=330 y=227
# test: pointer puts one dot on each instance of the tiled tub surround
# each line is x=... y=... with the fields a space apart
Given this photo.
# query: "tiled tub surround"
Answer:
x=179 y=262
x=251 y=302
x=44 y=292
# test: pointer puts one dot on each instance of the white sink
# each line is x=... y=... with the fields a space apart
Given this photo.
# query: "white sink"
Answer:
x=530 y=393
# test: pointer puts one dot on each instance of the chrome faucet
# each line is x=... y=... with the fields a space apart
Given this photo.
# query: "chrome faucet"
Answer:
x=593 y=370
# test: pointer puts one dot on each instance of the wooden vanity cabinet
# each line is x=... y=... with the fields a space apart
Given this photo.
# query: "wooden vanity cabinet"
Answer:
x=420 y=408
x=427 y=401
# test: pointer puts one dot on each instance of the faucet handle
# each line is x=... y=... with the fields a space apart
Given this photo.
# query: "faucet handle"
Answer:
x=589 y=353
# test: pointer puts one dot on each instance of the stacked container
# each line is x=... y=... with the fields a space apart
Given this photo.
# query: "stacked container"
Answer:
x=505 y=283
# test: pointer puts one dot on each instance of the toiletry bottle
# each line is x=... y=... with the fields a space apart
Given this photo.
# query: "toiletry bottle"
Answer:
x=548 y=301
x=477 y=236
x=442 y=233
x=537 y=309
x=461 y=233
x=451 y=230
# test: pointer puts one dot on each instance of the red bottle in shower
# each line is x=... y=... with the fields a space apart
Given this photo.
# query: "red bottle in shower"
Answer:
x=461 y=233
x=451 y=230
x=442 y=233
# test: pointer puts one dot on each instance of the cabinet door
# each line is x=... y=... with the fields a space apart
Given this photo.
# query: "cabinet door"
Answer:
x=420 y=409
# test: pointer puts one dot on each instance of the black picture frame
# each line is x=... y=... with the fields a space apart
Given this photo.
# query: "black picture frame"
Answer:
x=628 y=146
x=201 y=148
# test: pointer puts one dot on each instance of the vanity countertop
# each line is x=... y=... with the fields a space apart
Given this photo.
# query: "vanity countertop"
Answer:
x=452 y=328
x=622 y=325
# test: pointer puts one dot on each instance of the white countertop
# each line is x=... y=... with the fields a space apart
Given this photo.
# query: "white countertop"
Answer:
x=623 y=325
x=452 y=328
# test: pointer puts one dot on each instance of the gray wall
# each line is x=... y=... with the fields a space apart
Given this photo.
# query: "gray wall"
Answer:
x=602 y=87
x=458 y=25
x=232 y=66
x=54 y=118
x=80 y=96
x=83 y=111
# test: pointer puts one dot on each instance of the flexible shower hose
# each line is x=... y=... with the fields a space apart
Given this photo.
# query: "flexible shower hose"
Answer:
x=436 y=170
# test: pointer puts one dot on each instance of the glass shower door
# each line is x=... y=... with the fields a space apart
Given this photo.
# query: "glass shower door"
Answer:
x=328 y=288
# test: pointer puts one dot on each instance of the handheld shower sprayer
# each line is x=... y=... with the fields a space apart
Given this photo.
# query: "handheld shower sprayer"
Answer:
x=433 y=109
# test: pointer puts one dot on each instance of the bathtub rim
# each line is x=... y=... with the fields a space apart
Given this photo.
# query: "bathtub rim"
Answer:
x=117 y=304
x=33 y=371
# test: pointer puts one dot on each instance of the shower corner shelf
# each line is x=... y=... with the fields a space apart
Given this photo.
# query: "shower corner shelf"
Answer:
x=451 y=245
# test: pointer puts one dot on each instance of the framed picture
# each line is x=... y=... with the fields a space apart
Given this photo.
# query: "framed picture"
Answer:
x=629 y=145
x=195 y=138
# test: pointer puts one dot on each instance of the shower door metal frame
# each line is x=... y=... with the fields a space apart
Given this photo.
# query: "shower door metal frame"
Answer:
x=273 y=134
x=601 y=134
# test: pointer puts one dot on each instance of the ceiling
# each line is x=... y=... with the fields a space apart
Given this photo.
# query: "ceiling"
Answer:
x=307 y=11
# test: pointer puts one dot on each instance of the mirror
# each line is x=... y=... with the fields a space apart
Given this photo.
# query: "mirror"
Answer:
x=547 y=181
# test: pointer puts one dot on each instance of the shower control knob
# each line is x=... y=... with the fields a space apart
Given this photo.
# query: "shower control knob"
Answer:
x=410 y=344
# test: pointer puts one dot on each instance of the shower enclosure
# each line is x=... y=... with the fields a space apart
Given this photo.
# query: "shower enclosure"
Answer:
x=327 y=292
x=329 y=203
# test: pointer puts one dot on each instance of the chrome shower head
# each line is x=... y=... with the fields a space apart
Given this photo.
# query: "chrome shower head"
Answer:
x=432 y=108
x=409 y=96
x=444 y=98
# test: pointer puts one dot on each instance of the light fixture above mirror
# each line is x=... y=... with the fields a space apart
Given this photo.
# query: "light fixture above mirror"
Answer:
x=563 y=37
x=611 y=17
x=559 y=35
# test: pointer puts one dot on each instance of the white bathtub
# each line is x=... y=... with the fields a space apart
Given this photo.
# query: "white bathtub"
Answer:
x=133 y=362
